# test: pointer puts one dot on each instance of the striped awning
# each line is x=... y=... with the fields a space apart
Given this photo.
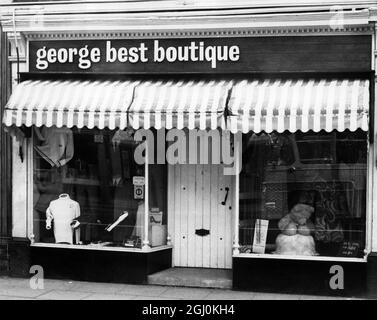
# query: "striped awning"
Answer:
x=70 y=103
x=279 y=105
x=245 y=105
x=179 y=104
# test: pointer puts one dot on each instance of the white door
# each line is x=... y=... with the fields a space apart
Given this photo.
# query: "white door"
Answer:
x=200 y=216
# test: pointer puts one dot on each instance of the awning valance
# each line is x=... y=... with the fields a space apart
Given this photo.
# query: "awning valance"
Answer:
x=179 y=104
x=237 y=105
x=279 y=105
x=70 y=103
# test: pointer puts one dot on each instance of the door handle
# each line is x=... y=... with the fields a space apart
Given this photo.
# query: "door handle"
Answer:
x=226 y=196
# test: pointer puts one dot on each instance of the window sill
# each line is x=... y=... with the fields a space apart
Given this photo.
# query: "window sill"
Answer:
x=98 y=248
x=303 y=258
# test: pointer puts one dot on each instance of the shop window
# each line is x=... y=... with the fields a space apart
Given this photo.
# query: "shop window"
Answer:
x=157 y=204
x=88 y=190
x=303 y=194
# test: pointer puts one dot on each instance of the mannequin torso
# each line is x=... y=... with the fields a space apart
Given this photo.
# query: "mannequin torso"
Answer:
x=62 y=210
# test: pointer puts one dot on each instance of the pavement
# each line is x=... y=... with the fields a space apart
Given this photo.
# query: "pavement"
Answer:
x=20 y=289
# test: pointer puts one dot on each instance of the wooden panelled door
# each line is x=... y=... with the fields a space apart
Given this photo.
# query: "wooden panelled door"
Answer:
x=200 y=216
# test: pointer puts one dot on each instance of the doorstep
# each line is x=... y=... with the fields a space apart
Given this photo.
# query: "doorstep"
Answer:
x=193 y=277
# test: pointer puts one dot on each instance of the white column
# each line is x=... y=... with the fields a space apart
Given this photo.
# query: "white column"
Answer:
x=19 y=191
x=146 y=245
x=20 y=175
x=236 y=245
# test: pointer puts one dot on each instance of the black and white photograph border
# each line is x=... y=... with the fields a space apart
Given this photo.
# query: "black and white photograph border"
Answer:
x=194 y=150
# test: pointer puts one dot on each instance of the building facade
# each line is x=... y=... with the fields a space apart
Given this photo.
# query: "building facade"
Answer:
x=260 y=153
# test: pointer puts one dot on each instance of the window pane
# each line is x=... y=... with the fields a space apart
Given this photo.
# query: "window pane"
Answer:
x=158 y=193
x=86 y=176
x=304 y=193
x=157 y=205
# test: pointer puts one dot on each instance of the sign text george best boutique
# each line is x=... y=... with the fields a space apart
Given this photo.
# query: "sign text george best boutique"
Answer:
x=91 y=55
x=200 y=55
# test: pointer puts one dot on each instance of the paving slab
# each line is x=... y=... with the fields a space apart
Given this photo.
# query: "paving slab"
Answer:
x=109 y=288
x=230 y=295
x=193 y=277
x=275 y=296
x=314 y=297
x=14 y=282
x=186 y=293
x=63 y=295
x=22 y=292
x=156 y=298
x=104 y=296
x=14 y=298
x=143 y=290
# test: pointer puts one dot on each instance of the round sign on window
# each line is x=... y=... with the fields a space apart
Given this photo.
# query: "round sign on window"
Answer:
x=138 y=192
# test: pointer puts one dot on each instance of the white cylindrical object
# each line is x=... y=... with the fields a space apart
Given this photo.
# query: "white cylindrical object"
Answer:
x=119 y=220
x=236 y=244
x=146 y=245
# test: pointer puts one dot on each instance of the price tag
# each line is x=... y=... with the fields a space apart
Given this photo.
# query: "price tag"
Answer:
x=350 y=249
x=260 y=236
x=138 y=180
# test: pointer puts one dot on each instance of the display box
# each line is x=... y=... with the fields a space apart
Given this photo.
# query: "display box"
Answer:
x=157 y=235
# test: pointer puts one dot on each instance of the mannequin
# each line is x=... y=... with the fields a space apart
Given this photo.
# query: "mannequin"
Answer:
x=63 y=211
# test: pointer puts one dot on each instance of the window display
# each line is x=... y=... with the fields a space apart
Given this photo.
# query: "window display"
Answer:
x=303 y=194
x=88 y=189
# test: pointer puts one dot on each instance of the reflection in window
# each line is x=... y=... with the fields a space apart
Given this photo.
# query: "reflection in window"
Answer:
x=89 y=190
x=303 y=193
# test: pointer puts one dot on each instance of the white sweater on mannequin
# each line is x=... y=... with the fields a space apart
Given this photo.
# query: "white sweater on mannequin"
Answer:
x=63 y=211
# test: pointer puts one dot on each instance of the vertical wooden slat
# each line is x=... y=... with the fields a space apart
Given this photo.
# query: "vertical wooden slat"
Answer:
x=177 y=213
x=191 y=215
x=228 y=224
x=221 y=220
x=199 y=215
x=214 y=197
x=171 y=207
x=206 y=214
x=184 y=214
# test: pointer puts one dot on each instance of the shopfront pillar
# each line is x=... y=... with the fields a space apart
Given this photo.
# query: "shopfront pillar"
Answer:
x=20 y=147
x=146 y=245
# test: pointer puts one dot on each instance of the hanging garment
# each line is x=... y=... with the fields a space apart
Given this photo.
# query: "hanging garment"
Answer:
x=331 y=207
x=124 y=201
x=57 y=145
x=63 y=211
x=19 y=135
x=140 y=217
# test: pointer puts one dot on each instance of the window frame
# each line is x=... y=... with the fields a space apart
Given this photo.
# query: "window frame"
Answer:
x=30 y=211
x=368 y=219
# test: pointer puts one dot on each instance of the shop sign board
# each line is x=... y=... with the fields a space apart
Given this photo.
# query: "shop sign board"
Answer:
x=202 y=55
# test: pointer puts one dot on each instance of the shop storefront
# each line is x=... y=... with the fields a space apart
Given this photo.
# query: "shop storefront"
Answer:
x=259 y=155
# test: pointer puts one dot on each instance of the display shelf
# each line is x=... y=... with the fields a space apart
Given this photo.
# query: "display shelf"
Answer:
x=306 y=258
x=101 y=248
